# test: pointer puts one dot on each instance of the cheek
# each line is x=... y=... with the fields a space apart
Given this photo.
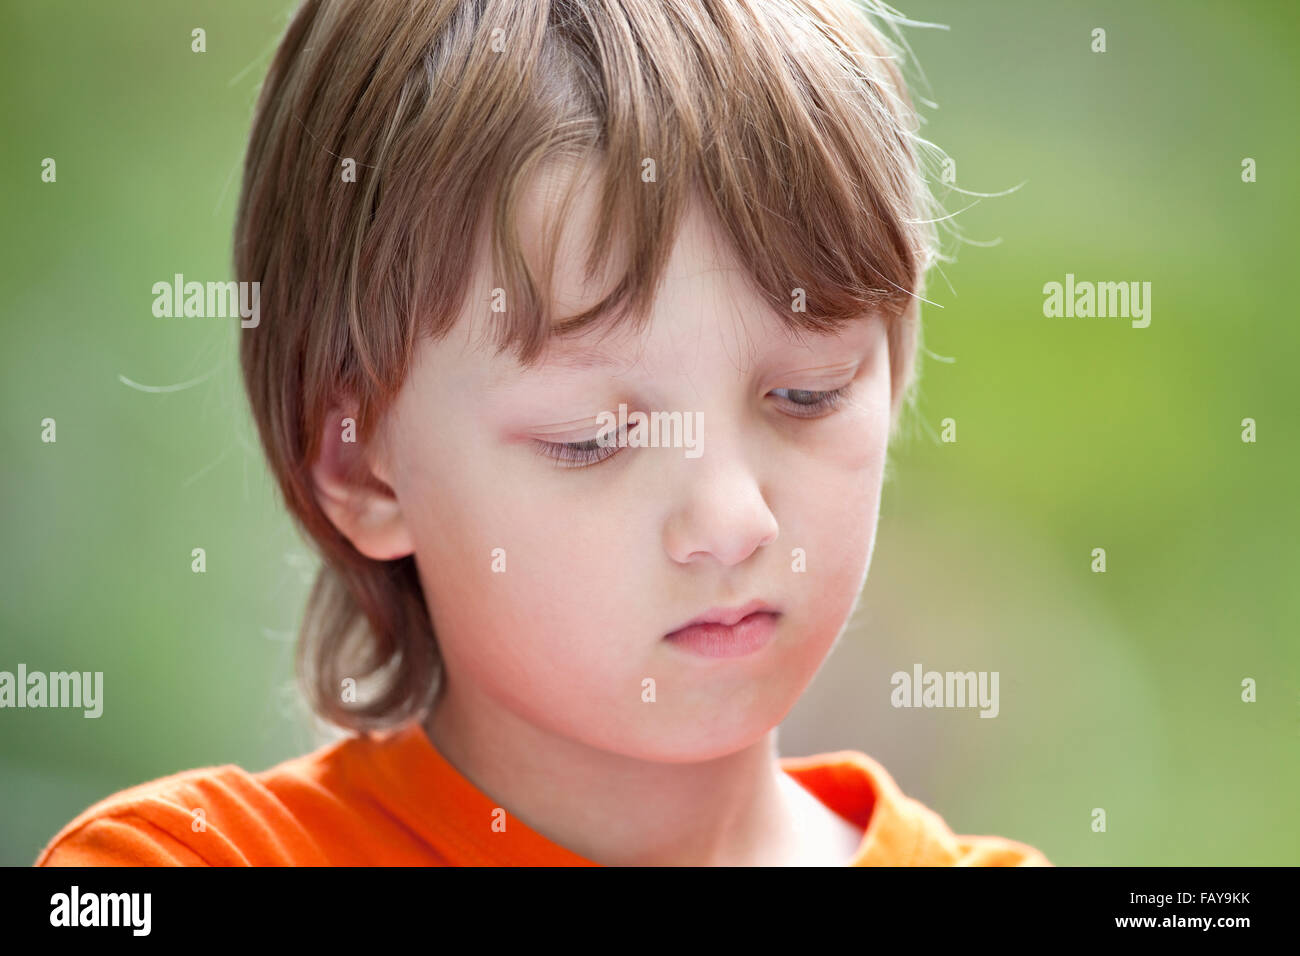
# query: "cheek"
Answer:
x=838 y=492
x=513 y=582
x=527 y=607
x=843 y=478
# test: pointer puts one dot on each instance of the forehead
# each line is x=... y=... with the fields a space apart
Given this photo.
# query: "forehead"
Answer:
x=705 y=288
x=701 y=260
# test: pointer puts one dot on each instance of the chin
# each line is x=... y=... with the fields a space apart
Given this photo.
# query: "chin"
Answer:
x=695 y=739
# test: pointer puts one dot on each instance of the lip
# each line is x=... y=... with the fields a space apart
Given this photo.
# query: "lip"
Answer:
x=727 y=616
x=728 y=632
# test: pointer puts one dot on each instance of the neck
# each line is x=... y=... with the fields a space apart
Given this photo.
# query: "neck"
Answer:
x=616 y=809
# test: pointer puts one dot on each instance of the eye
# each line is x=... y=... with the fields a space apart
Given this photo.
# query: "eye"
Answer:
x=802 y=403
x=579 y=454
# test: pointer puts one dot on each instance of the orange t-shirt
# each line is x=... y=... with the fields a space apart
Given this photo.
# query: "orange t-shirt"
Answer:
x=391 y=799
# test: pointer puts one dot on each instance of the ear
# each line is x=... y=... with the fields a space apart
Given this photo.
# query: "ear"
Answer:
x=352 y=494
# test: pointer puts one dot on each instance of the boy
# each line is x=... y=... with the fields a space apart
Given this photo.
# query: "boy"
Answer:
x=585 y=326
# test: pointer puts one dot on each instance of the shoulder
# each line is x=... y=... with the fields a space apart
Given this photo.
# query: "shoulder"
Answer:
x=938 y=845
x=898 y=830
x=209 y=816
x=935 y=843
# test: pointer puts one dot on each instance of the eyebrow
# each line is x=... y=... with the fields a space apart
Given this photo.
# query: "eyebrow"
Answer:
x=571 y=357
x=568 y=355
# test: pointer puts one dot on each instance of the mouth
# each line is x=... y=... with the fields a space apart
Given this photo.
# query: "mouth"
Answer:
x=728 y=632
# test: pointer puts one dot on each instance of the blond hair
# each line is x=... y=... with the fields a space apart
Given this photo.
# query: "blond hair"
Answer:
x=789 y=117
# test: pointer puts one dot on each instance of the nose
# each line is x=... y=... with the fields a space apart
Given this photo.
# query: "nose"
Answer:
x=723 y=514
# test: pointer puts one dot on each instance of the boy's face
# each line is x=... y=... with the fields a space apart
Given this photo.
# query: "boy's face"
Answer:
x=602 y=560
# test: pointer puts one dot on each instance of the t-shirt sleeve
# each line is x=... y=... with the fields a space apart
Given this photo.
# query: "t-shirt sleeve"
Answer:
x=938 y=845
x=215 y=816
x=123 y=839
x=998 y=851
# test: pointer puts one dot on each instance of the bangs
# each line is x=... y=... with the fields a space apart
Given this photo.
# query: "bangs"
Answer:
x=788 y=121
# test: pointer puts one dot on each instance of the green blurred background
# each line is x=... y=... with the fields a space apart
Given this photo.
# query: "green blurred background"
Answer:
x=1119 y=690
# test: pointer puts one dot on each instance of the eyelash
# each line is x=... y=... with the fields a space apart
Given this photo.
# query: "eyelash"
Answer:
x=586 y=453
x=576 y=454
x=825 y=402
